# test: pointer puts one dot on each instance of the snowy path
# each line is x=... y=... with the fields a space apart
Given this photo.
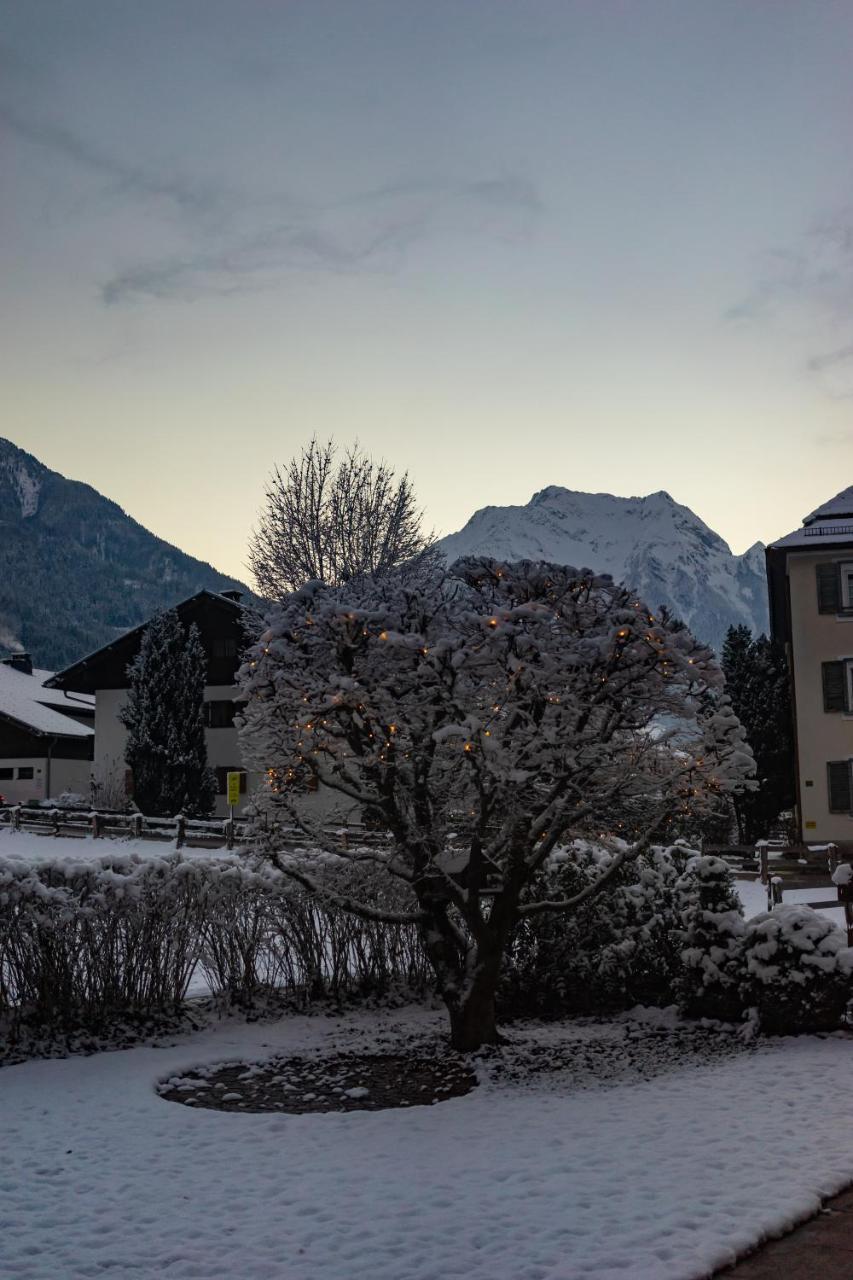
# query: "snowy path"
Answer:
x=658 y=1180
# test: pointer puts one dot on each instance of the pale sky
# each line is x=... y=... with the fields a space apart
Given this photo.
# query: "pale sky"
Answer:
x=505 y=245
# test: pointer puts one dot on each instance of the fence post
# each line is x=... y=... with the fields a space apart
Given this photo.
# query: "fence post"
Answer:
x=228 y=827
x=96 y=826
x=16 y=817
x=774 y=892
x=136 y=825
x=180 y=831
x=763 y=861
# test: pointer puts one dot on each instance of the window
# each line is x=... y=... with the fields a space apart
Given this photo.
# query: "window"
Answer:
x=219 y=714
x=226 y=646
x=835 y=587
x=846 y=573
x=6 y=775
x=222 y=778
x=838 y=778
x=25 y=772
x=837 y=678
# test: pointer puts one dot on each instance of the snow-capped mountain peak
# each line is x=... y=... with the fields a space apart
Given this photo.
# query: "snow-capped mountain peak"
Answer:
x=654 y=544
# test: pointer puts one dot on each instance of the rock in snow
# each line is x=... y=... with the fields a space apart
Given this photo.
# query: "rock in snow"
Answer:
x=654 y=544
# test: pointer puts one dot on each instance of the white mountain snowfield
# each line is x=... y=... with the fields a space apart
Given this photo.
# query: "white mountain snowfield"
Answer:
x=654 y=544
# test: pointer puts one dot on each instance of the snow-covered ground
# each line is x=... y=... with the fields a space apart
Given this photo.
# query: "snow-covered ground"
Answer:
x=539 y=1179
x=618 y=1167
x=35 y=847
x=753 y=895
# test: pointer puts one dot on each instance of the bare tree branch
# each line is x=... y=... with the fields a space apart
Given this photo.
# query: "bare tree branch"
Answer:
x=331 y=521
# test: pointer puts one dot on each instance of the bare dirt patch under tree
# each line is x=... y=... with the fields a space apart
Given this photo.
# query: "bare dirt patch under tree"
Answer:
x=346 y=1082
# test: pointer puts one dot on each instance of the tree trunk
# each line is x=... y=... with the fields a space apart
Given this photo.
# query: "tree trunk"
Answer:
x=472 y=1020
x=466 y=984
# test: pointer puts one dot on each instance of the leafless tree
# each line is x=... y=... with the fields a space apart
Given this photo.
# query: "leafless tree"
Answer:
x=330 y=520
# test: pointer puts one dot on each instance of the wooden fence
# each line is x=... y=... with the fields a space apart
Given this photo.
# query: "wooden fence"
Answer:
x=183 y=832
x=214 y=833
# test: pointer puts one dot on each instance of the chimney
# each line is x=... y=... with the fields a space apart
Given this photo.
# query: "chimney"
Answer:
x=231 y=594
x=20 y=662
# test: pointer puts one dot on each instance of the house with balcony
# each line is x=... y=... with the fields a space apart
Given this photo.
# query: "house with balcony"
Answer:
x=102 y=676
x=810 y=579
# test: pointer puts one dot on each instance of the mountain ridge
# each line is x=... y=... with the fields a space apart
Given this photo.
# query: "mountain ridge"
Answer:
x=75 y=569
x=656 y=545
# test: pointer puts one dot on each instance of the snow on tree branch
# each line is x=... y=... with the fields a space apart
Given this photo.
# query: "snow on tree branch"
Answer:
x=482 y=715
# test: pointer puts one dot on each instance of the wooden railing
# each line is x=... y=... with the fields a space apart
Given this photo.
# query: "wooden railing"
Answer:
x=192 y=833
x=214 y=833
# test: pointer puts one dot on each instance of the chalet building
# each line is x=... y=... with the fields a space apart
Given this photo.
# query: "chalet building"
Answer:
x=810 y=577
x=103 y=675
x=46 y=735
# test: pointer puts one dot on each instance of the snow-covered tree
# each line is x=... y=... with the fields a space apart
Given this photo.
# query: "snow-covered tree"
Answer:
x=712 y=931
x=166 y=748
x=483 y=716
x=330 y=520
x=757 y=682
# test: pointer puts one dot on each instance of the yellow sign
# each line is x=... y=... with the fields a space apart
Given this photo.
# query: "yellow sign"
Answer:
x=233 y=781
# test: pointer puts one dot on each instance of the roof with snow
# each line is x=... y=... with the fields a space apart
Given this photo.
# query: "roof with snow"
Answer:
x=830 y=523
x=24 y=700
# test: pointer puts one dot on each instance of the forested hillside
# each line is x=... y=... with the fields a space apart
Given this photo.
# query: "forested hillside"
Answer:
x=75 y=570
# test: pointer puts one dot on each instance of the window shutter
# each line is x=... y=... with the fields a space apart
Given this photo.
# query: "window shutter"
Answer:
x=839 y=786
x=834 y=698
x=828 y=589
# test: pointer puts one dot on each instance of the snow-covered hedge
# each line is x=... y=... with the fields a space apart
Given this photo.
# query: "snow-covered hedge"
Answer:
x=86 y=942
x=798 y=970
x=711 y=929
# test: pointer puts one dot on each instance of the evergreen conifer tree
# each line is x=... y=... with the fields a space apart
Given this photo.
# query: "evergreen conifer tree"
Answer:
x=166 y=748
x=757 y=682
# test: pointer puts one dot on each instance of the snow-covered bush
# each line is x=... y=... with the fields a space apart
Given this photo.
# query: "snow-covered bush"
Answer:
x=711 y=931
x=92 y=942
x=66 y=800
x=798 y=970
x=619 y=948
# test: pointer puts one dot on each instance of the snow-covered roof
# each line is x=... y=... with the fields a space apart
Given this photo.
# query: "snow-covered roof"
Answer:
x=23 y=698
x=830 y=522
x=839 y=506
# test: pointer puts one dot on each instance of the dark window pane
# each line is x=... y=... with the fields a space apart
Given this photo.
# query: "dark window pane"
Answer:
x=839 y=786
x=6 y=775
x=834 y=698
x=225 y=647
x=219 y=714
x=25 y=772
x=828 y=588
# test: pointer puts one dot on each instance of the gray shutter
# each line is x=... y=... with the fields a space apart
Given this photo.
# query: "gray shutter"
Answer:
x=828 y=588
x=834 y=690
x=840 y=800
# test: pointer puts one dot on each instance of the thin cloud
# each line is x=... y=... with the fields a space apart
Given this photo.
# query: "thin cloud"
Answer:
x=370 y=232
x=190 y=196
x=234 y=247
x=807 y=292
